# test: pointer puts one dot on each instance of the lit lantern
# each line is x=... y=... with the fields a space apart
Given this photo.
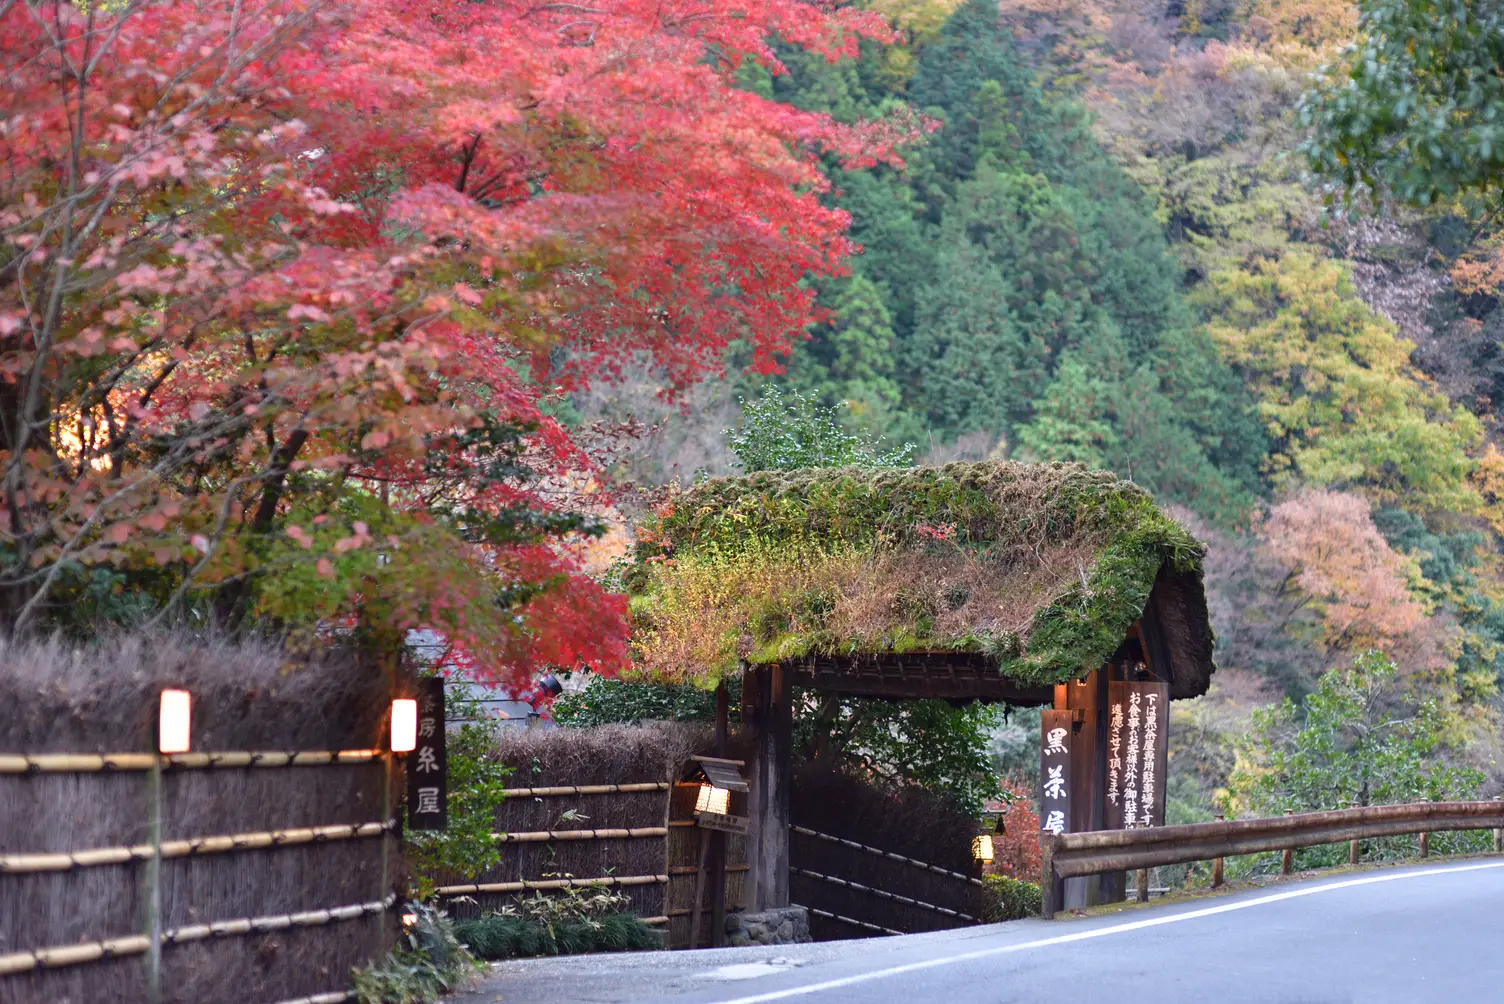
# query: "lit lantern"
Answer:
x=174 y=721
x=981 y=848
x=713 y=799
x=404 y=725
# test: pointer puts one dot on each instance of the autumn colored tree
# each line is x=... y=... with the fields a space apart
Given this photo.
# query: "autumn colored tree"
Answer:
x=1336 y=390
x=285 y=289
x=1336 y=561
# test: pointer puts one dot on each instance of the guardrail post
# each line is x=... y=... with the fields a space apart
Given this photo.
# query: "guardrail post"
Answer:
x=1425 y=845
x=1217 y=867
x=1142 y=878
x=1287 y=859
x=1352 y=852
x=1051 y=886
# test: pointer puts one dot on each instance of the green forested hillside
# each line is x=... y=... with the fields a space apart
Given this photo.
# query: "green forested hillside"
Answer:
x=1015 y=291
x=1109 y=249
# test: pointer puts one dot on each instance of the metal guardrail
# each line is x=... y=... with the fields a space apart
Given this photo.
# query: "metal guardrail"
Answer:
x=1069 y=855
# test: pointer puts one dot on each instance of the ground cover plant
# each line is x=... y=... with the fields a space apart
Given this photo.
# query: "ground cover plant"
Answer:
x=570 y=922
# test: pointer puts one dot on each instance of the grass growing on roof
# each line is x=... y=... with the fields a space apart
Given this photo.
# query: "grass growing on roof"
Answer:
x=1042 y=567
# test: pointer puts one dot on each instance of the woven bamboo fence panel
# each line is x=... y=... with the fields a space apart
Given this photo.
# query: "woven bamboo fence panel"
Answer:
x=271 y=879
x=598 y=804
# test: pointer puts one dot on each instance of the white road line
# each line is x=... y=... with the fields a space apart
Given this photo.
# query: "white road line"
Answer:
x=1102 y=932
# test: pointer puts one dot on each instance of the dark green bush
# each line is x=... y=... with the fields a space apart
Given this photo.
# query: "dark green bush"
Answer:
x=504 y=937
x=429 y=963
x=1011 y=899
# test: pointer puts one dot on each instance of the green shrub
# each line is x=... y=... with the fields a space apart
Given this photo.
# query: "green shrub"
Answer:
x=1011 y=899
x=432 y=963
x=501 y=936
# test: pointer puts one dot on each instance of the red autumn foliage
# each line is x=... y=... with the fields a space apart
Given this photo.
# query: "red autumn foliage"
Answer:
x=285 y=285
x=1016 y=850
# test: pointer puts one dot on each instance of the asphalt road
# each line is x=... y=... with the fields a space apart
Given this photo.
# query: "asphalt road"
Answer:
x=1412 y=934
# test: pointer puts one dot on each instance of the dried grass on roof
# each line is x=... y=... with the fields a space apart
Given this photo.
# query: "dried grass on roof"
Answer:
x=1042 y=567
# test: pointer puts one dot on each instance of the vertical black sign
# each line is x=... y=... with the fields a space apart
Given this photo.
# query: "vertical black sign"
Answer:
x=1138 y=723
x=1055 y=772
x=427 y=768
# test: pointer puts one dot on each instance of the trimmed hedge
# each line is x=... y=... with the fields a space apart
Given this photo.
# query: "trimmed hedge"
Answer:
x=502 y=937
x=1012 y=899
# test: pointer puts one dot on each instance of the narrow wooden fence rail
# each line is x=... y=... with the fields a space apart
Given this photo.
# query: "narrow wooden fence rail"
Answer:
x=895 y=897
x=1074 y=854
x=890 y=855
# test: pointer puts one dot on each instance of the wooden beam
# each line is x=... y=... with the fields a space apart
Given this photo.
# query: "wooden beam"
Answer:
x=955 y=676
x=768 y=713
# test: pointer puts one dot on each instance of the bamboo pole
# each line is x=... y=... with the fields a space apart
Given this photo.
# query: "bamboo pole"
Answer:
x=190 y=847
x=587 y=789
x=891 y=856
x=154 y=883
x=833 y=880
x=852 y=921
x=545 y=885
x=139 y=944
x=93 y=763
x=540 y=836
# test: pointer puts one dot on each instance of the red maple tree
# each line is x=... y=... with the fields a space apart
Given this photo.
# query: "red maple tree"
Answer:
x=286 y=289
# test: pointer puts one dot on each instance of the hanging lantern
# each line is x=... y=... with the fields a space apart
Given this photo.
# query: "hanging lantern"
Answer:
x=713 y=799
x=981 y=848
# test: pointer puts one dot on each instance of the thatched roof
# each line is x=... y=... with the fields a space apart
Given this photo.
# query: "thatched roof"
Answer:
x=1043 y=569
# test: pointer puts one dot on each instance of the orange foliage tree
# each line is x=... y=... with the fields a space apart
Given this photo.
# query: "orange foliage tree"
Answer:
x=1337 y=562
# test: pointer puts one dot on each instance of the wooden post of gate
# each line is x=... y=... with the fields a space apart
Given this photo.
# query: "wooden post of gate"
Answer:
x=718 y=837
x=767 y=714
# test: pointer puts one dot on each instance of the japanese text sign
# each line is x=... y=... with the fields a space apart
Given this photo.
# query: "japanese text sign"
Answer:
x=1055 y=772
x=1138 y=720
x=427 y=766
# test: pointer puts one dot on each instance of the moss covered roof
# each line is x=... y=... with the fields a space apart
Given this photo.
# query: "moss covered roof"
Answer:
x=1043 y=568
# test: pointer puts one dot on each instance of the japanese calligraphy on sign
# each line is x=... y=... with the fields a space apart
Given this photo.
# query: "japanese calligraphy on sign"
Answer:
x=1055 y=772
x=1138 y=716
x=427 y=767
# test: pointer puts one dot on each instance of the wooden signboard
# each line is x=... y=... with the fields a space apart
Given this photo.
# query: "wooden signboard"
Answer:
x=721 y=821
x=1138 y=724
x=427 y=765
x=1055 y=772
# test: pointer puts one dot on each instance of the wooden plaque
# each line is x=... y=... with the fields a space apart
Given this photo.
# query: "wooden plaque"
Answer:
x=1138 y=721
x=1055 y=771
x=428 y=765
x=719 y=821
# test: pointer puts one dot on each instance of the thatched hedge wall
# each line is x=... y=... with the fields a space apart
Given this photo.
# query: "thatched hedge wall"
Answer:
x=57 y=698
x=908 y=821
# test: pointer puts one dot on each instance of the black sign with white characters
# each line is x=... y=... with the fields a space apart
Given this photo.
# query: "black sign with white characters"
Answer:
x=427 y=767
x=1055 y=772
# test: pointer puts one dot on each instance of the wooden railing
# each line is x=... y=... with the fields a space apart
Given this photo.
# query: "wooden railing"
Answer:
x=1075 y=854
